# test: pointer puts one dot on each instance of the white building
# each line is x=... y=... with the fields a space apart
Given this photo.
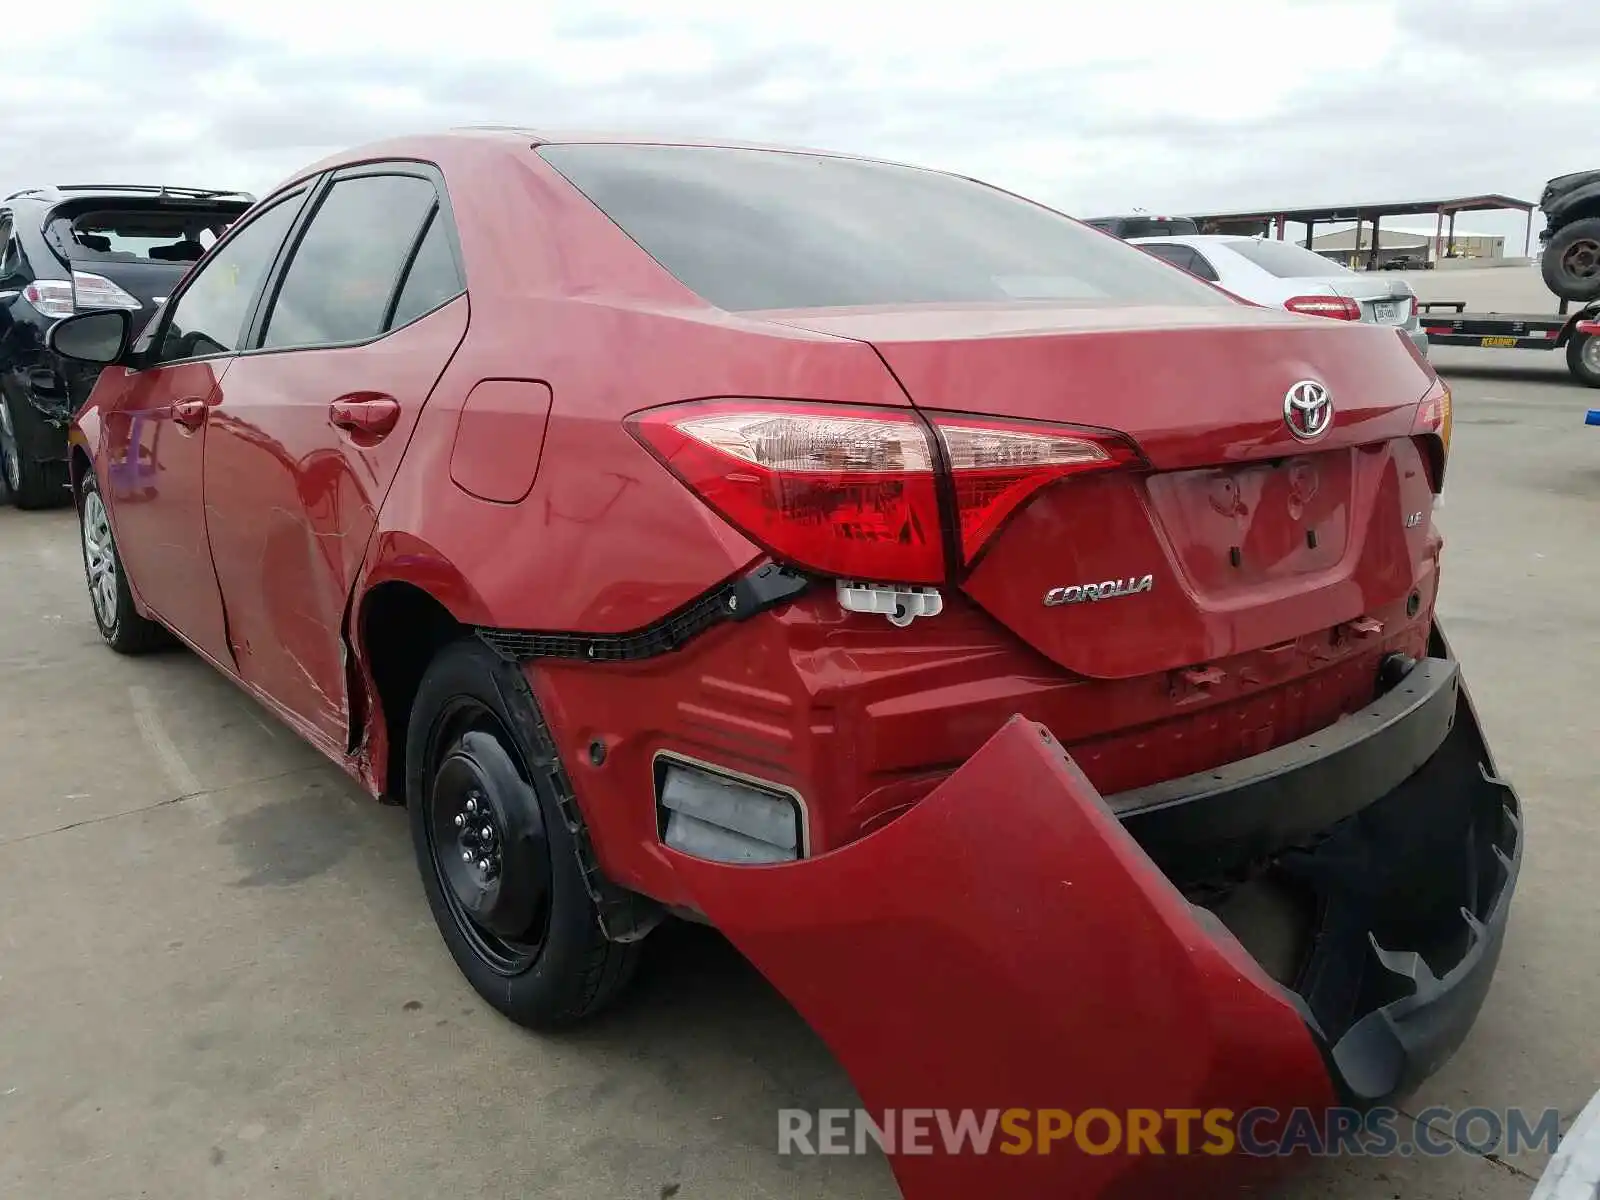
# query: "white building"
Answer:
x=1352 y=245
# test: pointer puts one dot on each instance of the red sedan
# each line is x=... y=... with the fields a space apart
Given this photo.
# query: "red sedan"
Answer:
x=1022 y=650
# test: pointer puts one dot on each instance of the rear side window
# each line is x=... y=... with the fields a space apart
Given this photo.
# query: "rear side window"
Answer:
x=209 y=317
x=1178 y=256
x=1187 y=257
x=8 y=254
x=140 y=233
x=347 y=266
x=1285 y=259
x=753 y=229
x=432 y=278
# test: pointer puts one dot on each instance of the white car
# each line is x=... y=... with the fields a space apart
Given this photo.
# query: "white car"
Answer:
x=1284 y=275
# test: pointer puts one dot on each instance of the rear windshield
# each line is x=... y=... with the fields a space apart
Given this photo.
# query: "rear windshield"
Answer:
x=755 y=229
x=1138 y=227
x=1286 y=260
x=169 y=234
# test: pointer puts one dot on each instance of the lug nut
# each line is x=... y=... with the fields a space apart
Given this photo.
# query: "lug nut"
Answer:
x=466 y=856
x=483 y=866
x=460 y=820
x=487 y=832
x=472 y=805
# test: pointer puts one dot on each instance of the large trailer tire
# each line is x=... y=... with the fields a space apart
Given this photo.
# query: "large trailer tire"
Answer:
x=1583 y=358
x=1571 y=261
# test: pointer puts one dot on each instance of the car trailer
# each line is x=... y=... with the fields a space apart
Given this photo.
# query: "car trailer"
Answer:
x=1578 y=333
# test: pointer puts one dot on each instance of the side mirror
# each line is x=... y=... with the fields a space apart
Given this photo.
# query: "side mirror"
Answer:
x=92 y=337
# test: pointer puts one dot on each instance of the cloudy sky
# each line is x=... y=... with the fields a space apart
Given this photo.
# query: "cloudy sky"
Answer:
x=1092 y=107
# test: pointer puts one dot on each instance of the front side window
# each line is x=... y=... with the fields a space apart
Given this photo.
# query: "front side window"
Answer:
x=209 y=317
x=757 y=229
x=343 y=274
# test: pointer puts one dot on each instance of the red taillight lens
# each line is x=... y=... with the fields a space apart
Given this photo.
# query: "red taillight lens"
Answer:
x=996 y=466
x=854 y=491
x=1414 y=308
x=1341 y=308
x=1432 y=427
x=840 y=490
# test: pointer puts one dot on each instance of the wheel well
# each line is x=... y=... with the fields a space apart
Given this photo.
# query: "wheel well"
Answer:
x=402 y=628
x=78 y=466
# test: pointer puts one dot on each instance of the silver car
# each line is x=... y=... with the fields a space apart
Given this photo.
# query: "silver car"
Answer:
x=1284 y=275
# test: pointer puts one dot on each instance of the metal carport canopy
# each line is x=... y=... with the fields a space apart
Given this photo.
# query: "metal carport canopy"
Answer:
x=1260 y=220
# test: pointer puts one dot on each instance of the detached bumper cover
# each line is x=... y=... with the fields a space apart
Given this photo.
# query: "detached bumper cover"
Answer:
x=1014 y=943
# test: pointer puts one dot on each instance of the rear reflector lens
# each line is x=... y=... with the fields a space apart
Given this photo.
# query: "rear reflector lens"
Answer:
x=996 y=468
x=839 y=491
x=1341 y=308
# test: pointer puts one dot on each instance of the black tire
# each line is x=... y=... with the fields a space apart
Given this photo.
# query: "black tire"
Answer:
x=1570 y=263
x=120 y=623
x=527 y=935
x=28 y=484
x=1583 y=358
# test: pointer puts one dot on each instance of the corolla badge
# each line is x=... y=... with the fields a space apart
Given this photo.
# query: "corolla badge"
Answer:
x=1111 y=589
x=1307 y=410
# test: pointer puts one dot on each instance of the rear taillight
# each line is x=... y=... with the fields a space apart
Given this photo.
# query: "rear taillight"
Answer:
x=1414 y=309
x=52 y=297
x=843 y=492
x=1341 y=308
x=82 y=293
x=1432 y=430
x=855 y=492
x=996 y=466
x=96 y=291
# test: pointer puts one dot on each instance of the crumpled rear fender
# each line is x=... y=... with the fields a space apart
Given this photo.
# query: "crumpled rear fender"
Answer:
x=1006 y=944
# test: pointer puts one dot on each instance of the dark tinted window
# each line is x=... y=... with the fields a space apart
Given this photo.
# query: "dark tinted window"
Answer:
x=433 y=277
x=1187 y=257
x=750 y=229
x=209 y=317
x=1201 y=266
x=1138 y=227
x=345 y=270
x=8 y=256
x=1178 y=256
x=1285 y=259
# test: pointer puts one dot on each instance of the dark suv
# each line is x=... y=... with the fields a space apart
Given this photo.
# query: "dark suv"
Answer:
x=1571 y=257
x=65 y=250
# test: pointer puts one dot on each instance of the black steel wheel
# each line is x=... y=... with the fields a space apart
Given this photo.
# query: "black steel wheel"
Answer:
x=1571 y=261
x=487 y=839
x=498 y=861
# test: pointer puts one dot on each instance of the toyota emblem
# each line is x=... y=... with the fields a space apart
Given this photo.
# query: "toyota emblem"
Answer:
x=1307 y=410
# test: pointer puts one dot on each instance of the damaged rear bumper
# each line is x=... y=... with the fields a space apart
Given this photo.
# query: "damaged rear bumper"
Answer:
x=1017 y=941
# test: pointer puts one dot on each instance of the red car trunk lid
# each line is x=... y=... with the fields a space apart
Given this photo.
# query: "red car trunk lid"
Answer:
x=1242 y=535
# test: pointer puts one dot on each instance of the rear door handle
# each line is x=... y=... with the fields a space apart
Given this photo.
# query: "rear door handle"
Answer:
x=365 y=413
x=191 y=414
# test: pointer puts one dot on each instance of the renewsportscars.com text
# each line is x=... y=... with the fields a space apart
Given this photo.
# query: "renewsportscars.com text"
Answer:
x=1259 y=1132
